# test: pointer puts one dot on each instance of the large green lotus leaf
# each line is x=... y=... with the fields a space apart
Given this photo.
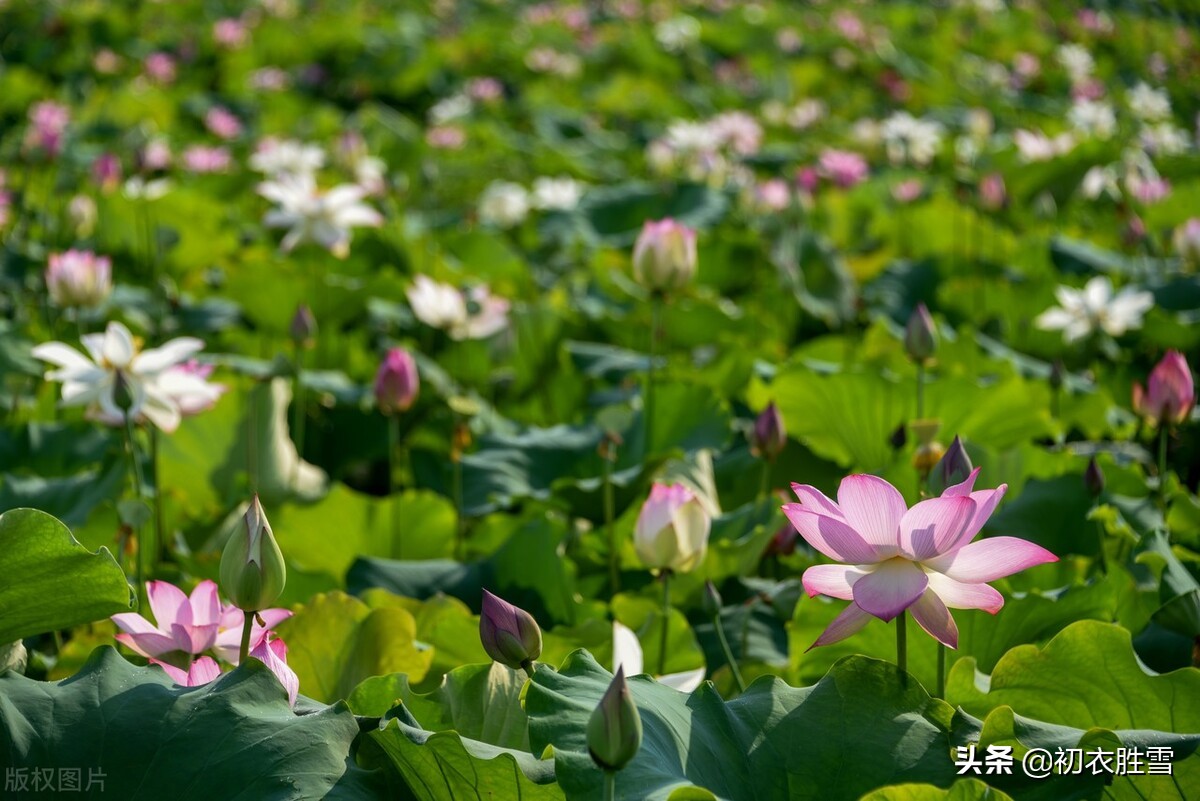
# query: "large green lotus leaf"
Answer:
x=71 y=498
x=1053 y=513
x=336 y=641
x=1089 y=677
x=773 y=742
x=444 y=766
x=443 y=622
x=480 y=701
x=1033 y=617
x=151 y=739
x=328 y=535
x=961 y=790
x=50 y=581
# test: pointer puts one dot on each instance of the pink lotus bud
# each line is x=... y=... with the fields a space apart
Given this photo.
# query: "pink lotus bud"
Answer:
x=304 y=327
x=992 y=194
x=672 y=529
x=106 y=171
x=1171 y=392
x=78 y=278
x=508 y=633
x=808 y=179
x=664 y=257
x=770 y=436
x=397 y=383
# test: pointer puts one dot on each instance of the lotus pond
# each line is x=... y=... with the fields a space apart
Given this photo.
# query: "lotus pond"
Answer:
x=689 y=399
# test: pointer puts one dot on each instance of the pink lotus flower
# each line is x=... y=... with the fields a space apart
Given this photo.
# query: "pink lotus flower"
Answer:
x=229 y=631
x=1170 y=392
x=898 y=559
x=49 y=120
x=160 y=67
x=273 y=654
x=202 y=159
x=186 y=624
x=222 y=123
x=201 y=672
x=843 y=167
x=78 y=278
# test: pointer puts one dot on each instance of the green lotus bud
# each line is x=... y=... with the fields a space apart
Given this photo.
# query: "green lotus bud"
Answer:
x=253 y=573
x=920 y=335
x=614 y=732
x=508 y=633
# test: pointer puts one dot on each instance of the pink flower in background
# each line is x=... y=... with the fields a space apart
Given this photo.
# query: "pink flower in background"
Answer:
x=106 y=171
x=896 y=559
x=222 y=123
x=273 y=654
x=49 y=122
x=229 y=632
x=78 y=278
x=773 y=195
x=155 y=156
x=201 y=672
x=1152 y=190
x=1170 y=393
x=203 y=159
x=843 y=167
x=485 y=89
x=907 y=191
x=446 y=137
x=188 y=385
x=397 y=383
x=160 y=67
x=5 y=205
x=229 y=32
x=186 y=624
x=270 y=79
x=1088 y=89
x=808 y=179
x=992 y=194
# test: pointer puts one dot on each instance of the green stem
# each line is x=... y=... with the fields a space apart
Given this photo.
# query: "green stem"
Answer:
x=160 y=528
x=298 y=420
x=733 y=666
x=527 y=666
x=393 y=426
x=244 y=651
x=135 y=472
x=902 y=645
x=941 y=670
x=920 y=390
x=666 y=622
x=614 y=572
x=610 y=785
x=1162 y=464
x=457 y=480
x=648 y=410
x=764 y=481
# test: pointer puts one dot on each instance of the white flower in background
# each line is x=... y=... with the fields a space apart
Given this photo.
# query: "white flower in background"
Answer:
x=979 y=123
x=806 y=114
x=867 y=132
x=1164 y=139
x=549 y=60
x=449 y=109
x=677 y=33
x=138 y=188
x=1036 y=146
x=683 y=135
x=1083 y=312
x=560 y=193
x=627 y=653
x=315 y=216
x=504 y=204
x=276 y=157
x=1093 y=118
x=471 y=314
x=966 y=150
x=1077 y=61
x=155 y=386
x=908 y=138
x=1101 y=181
x=738 y=131
x=1148 y=104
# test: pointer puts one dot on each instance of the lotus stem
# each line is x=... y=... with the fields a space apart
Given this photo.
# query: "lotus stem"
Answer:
x=528 y=667
x=610 y=785
x=135 y=473
x=298 y=420
x=393 y=426
x=614 y=572
x=160 y=528
x=648 y=408
x=920 y=390
x=1162 y=464
x=666 y=623
x=902 y=646
x=247 y=624
x=733 y=666
x=941 y=670
x=764 y=482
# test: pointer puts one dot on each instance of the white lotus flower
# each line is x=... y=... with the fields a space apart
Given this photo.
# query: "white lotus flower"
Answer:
x=275 y=158
x=560 y=194
x=627 y=653
x=1082 y=312
x=315 y=216
x=473 y=314
x=1148 y=104
x=159 y=389
x=504 y=204
x=1093 y=118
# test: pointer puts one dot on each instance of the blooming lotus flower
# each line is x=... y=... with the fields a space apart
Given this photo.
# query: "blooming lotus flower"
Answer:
x=49 y=124
x=315 y=216
x=504 y=204
x=473 y=314
x=272 y=652
x=1082 y=312
x=672 y=529
x=158 y=393
x=397 y=383
x=897 y=559
x=1170 y=392
x=843 y=167
x=664 y=256
x=627 y=656
x=185 y=624
x=560 y=193
x=78 y=278
x=276 y=158
x=229 y=631
x=200 y=672
x=188 y=384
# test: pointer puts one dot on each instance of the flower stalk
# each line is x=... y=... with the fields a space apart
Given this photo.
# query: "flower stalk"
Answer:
x=665 y=577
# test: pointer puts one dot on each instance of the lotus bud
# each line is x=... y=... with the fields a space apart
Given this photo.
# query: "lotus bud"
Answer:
x=770 y=436
x=304 y=327
x=1170 y=392
x=712 y=600
x=614 y=732
x=509 y=634
x=920 y=336
x=953 y=468
x=397 y=383
x=78 y=278
x=82 y=215
x=664 y=256
x=1093 y=478
x=253 y=573
x=672 y=529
